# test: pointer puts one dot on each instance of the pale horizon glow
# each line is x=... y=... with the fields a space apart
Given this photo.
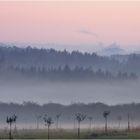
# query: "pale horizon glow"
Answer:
x=75 y=22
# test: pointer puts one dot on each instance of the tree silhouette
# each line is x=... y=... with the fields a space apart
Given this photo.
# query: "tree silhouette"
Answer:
x=48 y=122
x=74 y=122
x=15 y=120
x=79 y=117
x=119 y=121
x=10 y=121
x=38 y=119
x=90 y=122
x=57 y=119
x=105 y=115
x=128 y=123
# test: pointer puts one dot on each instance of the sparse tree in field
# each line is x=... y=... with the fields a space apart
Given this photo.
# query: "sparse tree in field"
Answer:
x=119 y=121
x=15 y=121
x=74 y=125
x=57 y=120
x=48 y=122
x=10 y=121
x=38 y=119
x=79 y=117
x=90 y=122
x=128 y=123
x=105 y=115
x=74 y=122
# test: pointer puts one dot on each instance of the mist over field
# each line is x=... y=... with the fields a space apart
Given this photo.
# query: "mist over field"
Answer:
x=69 y=69
x=46 y=81
x=47 y=75
x=70 y=92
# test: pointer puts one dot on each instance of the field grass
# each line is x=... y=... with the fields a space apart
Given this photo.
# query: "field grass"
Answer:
x=70 y=134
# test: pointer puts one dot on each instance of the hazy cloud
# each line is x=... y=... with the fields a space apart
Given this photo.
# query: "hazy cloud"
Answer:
x=87 y=32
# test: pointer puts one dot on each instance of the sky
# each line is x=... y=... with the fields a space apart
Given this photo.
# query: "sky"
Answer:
x=71 y=22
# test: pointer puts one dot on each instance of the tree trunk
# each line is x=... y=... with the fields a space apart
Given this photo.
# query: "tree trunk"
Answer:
x=119 y=126
x=37 y=127
x=128 y=123
x=48 y=132
x=57 y=123
x=78 y=130
x=106 y=125
x=10 y=132
x=90 y=126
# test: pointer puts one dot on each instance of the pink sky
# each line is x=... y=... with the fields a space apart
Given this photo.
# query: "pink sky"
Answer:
x=70 y=22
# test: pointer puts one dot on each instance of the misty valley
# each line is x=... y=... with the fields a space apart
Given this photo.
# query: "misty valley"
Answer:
x=70 y=69
x=68 y=92
x=47 y=75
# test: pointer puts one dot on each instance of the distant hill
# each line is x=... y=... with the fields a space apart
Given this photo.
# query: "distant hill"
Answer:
x=32 y=61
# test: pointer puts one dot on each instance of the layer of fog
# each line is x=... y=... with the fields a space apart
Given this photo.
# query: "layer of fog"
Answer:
x=69 y=92
x=85 y=124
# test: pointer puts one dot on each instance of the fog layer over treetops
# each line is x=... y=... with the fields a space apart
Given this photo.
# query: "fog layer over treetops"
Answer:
x=47 y=75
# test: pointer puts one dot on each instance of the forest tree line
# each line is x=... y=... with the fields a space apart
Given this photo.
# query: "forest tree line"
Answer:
x=53 y=64
x=68 y=74
x=28 y=111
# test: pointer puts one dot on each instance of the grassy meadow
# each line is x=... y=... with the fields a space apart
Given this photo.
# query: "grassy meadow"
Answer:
x=70 y=134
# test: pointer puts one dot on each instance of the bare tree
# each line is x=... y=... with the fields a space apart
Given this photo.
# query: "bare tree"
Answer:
x=74 y=124
x=10 y=120
x=119 y=121
x=57 y=119
x=105 y=115
x=128 y=123
x=48 y=122
x=79 y=117
x=38 y=119
x=15 y=120
x=90 y=122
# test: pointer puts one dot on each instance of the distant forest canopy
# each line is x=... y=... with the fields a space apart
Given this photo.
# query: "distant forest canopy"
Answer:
x=28 y=111
x=62 y=65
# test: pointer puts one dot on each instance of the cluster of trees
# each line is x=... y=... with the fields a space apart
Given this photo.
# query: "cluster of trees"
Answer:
x=62 y=64
x=11 y=120
x=29 y=110
x=27 y=57
x=78 y=117
x=48 y=57
x=68 y=74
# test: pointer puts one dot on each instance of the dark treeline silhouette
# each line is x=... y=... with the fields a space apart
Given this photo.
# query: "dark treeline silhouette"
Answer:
x=28 y=111
x=66 y=73
x=56 y=65
x=27 y=57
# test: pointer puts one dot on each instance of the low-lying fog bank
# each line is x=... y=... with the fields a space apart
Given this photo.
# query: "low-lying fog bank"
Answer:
x=69 y=98
x=118 y=92
x=31 y=115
